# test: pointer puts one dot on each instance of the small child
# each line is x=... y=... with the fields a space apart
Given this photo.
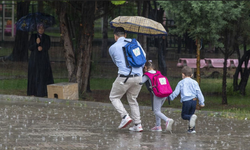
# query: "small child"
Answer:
x=190 y=91
x=157 y=102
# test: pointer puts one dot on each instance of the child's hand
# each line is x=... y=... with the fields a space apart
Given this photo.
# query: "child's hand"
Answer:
x=202 y=105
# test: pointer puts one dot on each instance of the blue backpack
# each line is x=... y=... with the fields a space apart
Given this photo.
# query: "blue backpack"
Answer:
x=134 y=55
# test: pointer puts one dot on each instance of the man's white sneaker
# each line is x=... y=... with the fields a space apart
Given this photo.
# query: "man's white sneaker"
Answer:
x=192 y=121
x=126 y=121
x=137 y=128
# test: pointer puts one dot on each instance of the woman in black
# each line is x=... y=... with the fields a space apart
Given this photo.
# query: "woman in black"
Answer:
x=39 y=70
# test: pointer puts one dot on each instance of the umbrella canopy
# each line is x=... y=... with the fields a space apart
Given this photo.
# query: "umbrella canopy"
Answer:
x=139 y=25
x=30 y=21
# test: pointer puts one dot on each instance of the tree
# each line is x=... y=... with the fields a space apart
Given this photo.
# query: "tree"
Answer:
x=77 y=31
x=205 y=20
x=20 y=50
x=243 y=31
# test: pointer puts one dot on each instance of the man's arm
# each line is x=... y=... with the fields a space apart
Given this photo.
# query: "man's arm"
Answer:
x=111 y=53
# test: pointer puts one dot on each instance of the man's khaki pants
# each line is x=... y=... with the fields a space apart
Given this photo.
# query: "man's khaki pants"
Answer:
x=131 y=88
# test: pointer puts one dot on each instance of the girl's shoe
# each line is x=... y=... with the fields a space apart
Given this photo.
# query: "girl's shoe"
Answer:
x=156 y=128
x=169 y=124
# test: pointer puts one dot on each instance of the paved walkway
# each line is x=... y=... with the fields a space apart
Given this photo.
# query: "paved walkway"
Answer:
x=49 y=124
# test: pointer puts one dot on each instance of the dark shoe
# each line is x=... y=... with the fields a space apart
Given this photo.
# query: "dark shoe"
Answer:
x=191 y=130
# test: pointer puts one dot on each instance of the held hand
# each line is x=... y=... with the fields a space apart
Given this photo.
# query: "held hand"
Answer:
x=202 y=105
x=40 y=48
x=38 y=40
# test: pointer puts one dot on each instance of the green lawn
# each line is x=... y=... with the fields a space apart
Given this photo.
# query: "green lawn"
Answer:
x=237 y=104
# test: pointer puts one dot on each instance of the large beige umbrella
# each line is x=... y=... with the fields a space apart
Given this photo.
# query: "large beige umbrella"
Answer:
x=139 y=25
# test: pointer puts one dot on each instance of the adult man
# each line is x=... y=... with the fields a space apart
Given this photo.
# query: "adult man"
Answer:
x=131 y=88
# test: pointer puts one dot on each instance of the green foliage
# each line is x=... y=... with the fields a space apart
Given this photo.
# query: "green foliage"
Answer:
x=202 y=19
x=118 y=2
x=128 y=9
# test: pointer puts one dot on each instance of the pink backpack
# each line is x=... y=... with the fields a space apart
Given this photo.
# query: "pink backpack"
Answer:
x=159 y=84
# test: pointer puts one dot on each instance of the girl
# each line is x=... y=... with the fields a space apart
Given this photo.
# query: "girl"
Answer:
x=157 y=101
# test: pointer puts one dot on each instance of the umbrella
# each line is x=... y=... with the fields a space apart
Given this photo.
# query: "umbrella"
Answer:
x=30 y=21
x=139 y=25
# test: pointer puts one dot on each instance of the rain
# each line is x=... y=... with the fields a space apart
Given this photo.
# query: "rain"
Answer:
x=36 y=123
x=40 y=123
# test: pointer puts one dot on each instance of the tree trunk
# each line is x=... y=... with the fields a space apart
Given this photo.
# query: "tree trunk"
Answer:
x=85 y=49
x=161 y=58
x=224 y=81
x=230 y=37
x=244 y=74
x=20 y=50
x=68 y=46
x=239 y=71
x=142 y=38
x=105 y=33
x=40 y=6
x=198 y=75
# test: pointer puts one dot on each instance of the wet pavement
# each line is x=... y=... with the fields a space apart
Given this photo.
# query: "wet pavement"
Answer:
x=49 y=124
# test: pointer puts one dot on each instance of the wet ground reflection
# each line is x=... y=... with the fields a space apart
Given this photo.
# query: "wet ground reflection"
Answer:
x=45 y=124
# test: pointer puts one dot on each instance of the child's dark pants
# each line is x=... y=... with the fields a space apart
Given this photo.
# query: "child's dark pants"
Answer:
x=188 y=109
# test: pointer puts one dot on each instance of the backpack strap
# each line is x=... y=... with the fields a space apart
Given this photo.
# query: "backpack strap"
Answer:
x=126 y=61
x=149 y=87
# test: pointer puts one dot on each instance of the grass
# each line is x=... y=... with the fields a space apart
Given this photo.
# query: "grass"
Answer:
x=53 y=34
x=12 y=86
x=13 y=80
x=237 y=104
x=5 y=51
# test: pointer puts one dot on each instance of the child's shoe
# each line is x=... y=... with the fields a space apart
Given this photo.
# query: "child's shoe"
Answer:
x=137 y=128
x=191 y=130
x=169 y=124
x=156 y=128
x=192 y=121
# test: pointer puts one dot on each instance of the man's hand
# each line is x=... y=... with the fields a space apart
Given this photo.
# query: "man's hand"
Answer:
x=40 y=48
x=38 y=40
x=202 y=105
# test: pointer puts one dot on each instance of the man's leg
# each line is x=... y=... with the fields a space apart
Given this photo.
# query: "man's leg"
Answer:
x=116 y=94
x=132 y=94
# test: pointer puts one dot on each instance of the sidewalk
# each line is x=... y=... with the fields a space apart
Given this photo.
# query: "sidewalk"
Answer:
x=42 y=124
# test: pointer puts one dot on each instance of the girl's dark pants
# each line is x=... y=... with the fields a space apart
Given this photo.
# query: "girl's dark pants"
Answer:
x=188 y=109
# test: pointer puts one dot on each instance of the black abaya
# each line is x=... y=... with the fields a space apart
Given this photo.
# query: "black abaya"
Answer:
x=39 y=70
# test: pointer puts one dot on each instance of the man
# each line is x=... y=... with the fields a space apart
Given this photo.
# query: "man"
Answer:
x=131 y=88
